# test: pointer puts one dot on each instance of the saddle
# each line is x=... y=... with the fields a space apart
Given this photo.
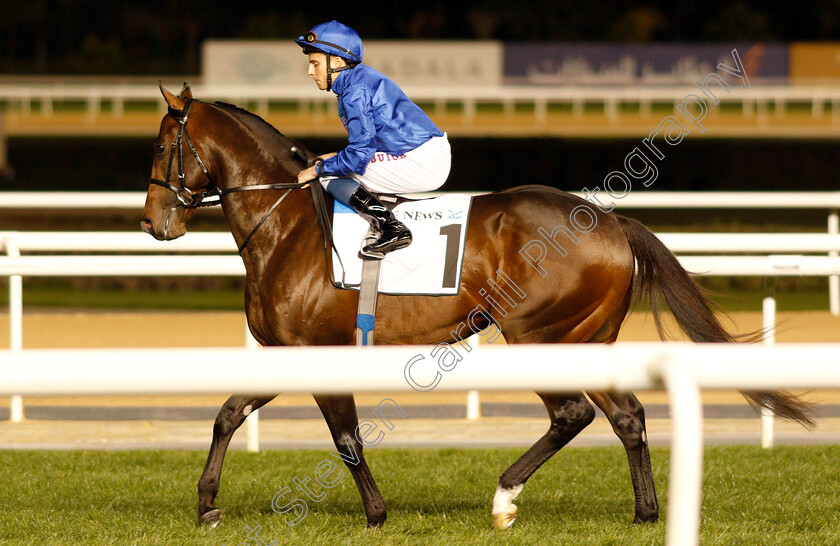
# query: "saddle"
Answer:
x=431 y=266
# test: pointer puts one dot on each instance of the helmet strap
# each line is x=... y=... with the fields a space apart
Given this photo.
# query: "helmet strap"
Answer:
x=331 y=70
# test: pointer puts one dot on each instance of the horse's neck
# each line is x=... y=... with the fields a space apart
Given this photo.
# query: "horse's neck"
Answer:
x=292 y=223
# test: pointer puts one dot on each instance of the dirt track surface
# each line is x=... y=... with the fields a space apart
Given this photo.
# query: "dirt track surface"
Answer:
x=48 y=329
x=313 y=433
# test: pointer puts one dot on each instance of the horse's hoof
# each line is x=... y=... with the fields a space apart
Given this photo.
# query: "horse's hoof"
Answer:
x=504 y=520
x=375 y=521
x=211 y=519
x=646 y=518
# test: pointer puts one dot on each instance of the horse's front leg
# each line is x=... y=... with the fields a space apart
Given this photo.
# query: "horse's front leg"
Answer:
x=231 y=416
x=340 y=414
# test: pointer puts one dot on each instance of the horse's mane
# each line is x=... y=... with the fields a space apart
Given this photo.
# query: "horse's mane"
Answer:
x=266 y=132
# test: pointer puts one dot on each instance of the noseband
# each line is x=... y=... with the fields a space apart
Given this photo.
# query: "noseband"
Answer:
x=209 y=197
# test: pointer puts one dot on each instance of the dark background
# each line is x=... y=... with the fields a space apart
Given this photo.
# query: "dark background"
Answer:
x=101 y=164
x=96 y=37
x=86 y=37
x=700 y=164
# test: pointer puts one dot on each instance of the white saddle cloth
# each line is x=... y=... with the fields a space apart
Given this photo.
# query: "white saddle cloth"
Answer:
x=431 y=265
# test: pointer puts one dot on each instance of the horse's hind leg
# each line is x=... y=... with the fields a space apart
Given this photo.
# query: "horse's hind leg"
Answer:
x=627 y=417
x=569 y=414
x=232 y=414
x=340 y=414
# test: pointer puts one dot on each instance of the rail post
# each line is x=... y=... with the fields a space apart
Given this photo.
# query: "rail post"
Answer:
x=252 y=420
x=15 y=322
x=768 y=324
x=473 y=398
x=685 y=481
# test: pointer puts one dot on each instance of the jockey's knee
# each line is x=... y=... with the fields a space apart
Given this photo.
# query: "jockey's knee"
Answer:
x=340 y=188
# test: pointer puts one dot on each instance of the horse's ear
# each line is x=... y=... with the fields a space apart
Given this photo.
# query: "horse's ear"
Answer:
x=175 y=103
x=186 y=92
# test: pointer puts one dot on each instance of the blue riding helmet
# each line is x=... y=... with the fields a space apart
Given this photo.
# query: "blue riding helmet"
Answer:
x=333 y=38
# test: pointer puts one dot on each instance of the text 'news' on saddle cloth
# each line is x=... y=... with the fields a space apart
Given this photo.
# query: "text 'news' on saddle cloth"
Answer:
x=431 y=265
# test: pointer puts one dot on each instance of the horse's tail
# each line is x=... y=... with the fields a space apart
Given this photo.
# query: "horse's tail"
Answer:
x=660 y=277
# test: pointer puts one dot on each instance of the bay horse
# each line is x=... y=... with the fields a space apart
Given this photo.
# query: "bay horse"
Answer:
x=581 y=296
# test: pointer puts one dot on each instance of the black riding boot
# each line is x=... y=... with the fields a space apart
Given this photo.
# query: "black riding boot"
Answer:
x=392 y=234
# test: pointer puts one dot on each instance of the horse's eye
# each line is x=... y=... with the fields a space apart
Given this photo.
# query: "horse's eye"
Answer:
x=159 y=148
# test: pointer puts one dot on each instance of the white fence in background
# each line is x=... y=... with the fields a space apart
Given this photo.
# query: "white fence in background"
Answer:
x=681 y=368
x=16 y=266
x=753 y=101
x=634 y=200
x=229 y=264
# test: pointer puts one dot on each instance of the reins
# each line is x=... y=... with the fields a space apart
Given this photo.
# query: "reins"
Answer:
x=262 y=221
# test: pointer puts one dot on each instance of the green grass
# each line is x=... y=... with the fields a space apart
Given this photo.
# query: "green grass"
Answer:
x=787 y=495
x=176 y=300
x=786 y=300
x=746 y=299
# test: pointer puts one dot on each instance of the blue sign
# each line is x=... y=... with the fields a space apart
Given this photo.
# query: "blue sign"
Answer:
x=648 y=64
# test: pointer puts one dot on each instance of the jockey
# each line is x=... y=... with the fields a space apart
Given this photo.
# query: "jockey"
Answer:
x=393 y=146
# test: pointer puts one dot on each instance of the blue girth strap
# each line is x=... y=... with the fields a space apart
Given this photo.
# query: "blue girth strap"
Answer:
x=366 y=324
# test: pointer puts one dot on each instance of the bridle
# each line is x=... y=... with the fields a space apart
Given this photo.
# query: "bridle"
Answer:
x=184 y=195
x=210 y=196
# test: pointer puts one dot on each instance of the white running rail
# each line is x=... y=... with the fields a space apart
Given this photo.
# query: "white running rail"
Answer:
x=634 y=200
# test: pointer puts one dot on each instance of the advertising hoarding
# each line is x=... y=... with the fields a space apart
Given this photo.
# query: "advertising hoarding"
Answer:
x=438 y=63
x=648 y=64
x=815 y=63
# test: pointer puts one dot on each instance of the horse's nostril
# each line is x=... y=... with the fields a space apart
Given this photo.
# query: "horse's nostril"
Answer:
x=146 y=225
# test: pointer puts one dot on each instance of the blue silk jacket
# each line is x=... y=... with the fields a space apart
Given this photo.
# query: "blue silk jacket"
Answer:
x=378 y=117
